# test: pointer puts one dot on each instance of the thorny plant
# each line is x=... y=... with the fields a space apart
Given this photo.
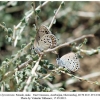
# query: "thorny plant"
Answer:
x=36 y=73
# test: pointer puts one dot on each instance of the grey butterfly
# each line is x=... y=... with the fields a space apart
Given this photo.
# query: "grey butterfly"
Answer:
x=69 y=61
x=44 y=40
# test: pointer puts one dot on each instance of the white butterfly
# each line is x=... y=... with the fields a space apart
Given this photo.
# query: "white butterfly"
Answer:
x=44 y=40
x=69 y=61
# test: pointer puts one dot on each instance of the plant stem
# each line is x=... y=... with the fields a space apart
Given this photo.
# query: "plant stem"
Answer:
x=55 y=15
x=68 y=43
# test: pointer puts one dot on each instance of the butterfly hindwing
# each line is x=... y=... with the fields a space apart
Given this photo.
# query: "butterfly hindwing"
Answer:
x=70 y=61
x=47 y=41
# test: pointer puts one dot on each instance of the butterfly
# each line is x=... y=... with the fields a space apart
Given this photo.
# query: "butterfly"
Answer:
x=69 y=61
x=44 y=39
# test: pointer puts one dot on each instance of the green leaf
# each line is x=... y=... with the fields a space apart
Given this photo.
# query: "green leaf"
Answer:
x=61 y=89
x=37 y=11
x=50 y=66
x=9 y=39
x=51 y=78
x=23 y=20
x=23 y=45
x=73 y=91
x=43 y=71
x=46 y=62
x=63 y=4
x=28 y=56
x=4 y=62
x=10 y=31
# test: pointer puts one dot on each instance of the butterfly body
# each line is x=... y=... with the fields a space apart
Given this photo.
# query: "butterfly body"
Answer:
x=69 y=61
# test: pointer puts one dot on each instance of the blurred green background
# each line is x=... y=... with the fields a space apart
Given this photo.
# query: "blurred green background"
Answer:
x=76 y=18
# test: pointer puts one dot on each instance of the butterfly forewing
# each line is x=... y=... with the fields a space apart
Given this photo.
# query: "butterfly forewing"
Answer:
x=71 y=61
x=43 y=30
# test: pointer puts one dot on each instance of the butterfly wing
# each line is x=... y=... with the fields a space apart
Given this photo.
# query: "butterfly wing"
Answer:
x=70 y=61
x=54 y=40
x=47 y=41
x=43 y=30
